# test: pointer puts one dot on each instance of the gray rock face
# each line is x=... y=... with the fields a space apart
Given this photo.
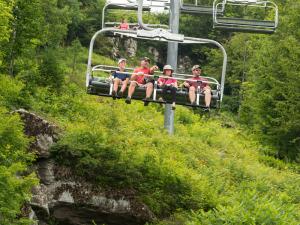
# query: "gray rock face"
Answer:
x=155 y=53
x=43 y=133
x=78 y=202
x=129 y=44
x=185 y=65
x=69 y=200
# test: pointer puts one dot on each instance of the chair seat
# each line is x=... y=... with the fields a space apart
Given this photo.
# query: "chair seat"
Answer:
x=246 y=22
x=102 y=88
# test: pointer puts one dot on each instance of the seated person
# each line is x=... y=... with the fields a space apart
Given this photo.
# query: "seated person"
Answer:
x=193 y=85
x=124 y=25
x=139 y=78
x=120 y=77
x=168 y=84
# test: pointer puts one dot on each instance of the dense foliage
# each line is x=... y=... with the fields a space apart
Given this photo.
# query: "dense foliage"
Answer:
x=265 y=87
x=239 y=167
x=14 y=187
x=206 y=167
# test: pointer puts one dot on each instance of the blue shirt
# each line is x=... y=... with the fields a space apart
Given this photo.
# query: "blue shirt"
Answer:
x=121 y=76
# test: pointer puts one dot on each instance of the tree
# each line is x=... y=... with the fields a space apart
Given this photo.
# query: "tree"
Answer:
x=5 y=18
x=272 y=92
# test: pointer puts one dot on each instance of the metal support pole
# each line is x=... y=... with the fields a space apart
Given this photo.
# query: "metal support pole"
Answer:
x=172 y=59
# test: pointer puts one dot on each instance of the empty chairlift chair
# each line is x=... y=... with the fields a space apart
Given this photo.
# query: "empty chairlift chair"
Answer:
x=257 y=16
x=198 y=7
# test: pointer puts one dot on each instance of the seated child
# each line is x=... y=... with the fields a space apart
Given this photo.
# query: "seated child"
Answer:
x=120 y=77
x=168 y=84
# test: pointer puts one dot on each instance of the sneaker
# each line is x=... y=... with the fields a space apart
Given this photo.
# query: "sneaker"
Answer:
x=120 y=94
x=146 y=101
x=114 y=95
x=193 y=104
x=206 y=109
x=161 y=101
x=173 y=106
x=128 y=100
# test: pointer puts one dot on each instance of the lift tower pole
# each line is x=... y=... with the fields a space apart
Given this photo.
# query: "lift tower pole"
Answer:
x=172 y=58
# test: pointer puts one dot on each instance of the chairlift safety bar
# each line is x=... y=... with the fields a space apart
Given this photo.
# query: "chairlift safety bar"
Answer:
x=166 y=77
x=136 y=24
x=115 y=68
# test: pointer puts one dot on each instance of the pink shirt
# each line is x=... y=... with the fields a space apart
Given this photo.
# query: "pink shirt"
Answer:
x=140 y=78
x=196 y=84
x=167 y=81
x=124 y=26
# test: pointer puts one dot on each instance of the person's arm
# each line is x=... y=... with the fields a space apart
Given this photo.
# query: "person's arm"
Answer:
x=153 y=68
x=127 y=77
x=160 y=82
x=204 y=84
x=135 y=72
x=175 y=84
x=111 y=76
x=186 y=84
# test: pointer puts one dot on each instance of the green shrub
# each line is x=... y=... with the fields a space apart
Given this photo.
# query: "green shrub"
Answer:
x=12 y=93
x=15 y=188
x=51 y=74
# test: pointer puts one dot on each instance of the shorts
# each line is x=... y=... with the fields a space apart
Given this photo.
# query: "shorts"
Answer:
x=143 y=85
x=122 y=81
x=202 y=89
x=149 y=80
x=122 y=78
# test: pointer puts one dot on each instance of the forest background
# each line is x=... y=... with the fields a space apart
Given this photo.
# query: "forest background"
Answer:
x=43 y=54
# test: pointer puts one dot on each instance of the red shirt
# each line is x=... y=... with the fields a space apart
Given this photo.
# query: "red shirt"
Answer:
x=196 y=84
x=167 y=81
x=124 y=26
x=140 y=78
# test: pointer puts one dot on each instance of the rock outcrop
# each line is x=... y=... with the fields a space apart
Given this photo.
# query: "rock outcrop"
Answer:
x=65 y=199
x=128 y=44
x=184 y=65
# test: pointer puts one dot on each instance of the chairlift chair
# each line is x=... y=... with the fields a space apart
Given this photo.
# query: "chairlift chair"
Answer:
x=121 y=6
x=103 y=87
x=134 y=25
x=254 y=25
x=130 y=5
x=198 y=8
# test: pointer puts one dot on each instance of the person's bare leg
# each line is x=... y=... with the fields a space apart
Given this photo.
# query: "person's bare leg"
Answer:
x=207 y=94
x=124 y=85
x=149 y=90
x=131 y=89
x=116 y=84
x=192 y=94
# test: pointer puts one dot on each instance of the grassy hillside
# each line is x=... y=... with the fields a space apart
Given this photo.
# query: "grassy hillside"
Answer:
x=215 y=171
x=210 y=171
